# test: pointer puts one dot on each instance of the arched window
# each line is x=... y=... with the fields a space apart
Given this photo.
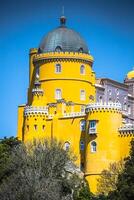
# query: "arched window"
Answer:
x=93 y=146
x=82 y=146
x=82 y=69
x=82 y=95
x=80 y=50
x=83 y=125
x=58 y=49
x=35 y=127
x=110 y=92
x=66 y=146
x=58 y=68
x=58 y=94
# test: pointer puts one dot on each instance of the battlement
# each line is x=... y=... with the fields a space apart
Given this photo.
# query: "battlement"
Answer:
x=31 y=110
x=33 y=50
x=103 y=106
x=127 y=128
x=72 y=56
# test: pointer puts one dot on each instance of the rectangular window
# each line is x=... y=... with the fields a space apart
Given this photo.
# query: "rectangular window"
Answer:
x=58 y=94
x=92 y=127
x=82 y=95
x=58 y=68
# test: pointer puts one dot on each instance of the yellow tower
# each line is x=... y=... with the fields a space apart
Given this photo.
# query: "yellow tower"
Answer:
x=102 y=139
x=62 y=104
x=61 y=84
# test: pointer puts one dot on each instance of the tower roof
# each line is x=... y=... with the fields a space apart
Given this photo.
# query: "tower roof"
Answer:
x=63 y=39
x=130 y=74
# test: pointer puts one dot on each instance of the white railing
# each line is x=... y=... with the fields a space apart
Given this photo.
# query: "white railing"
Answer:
x=98 y=106
x=29 y=110
x=73 y=114
x=127 y=127
x=37 y=90
x=92 y=131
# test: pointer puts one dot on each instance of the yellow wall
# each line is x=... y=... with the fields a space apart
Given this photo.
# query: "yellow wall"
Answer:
x=108 y=145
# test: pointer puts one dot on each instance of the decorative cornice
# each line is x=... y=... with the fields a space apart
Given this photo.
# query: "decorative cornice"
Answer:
x=33 y=110
x=127 y=128
x=103 y=106
x=63 y=56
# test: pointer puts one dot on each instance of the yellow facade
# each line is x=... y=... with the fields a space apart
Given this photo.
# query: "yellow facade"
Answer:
x=46 y=116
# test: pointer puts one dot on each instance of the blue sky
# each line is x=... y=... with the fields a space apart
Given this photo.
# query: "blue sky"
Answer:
x=106 y=25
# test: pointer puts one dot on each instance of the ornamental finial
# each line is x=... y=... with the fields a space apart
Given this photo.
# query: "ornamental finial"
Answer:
x=63 y=18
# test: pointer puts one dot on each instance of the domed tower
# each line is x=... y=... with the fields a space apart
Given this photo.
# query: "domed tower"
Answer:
x=61 y=84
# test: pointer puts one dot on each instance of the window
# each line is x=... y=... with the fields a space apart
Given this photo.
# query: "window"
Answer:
x=92 y=127
x=82 y=95
x=82 y=69
x=117 y=91
x=110 y=92
x=82 y=145
x=80 y=50
x=43 y=127
x=58 y=94
x=27 y=127
x=129 y=109
x=82 y=108
x=100 y=99
x=83 y=125
x=35 y=127
x=92 y=124
x=93 y=146
x=110 y=100
x=58 y=68
x=125 y=106
x=58 y=49
x=67 y=146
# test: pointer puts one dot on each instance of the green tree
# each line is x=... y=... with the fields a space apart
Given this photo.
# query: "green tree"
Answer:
x=40 y=171
x=125 y=184
x=108 y=178
x=6 y=147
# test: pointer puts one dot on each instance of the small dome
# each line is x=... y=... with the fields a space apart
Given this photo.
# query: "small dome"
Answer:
x=63 y=39
x=130 y=74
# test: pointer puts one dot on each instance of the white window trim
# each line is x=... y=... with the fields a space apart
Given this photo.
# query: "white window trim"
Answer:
x=92 y=148
x=82 y=129
x=83 y=69
x=82 y=97
x=56 y=71
x=56 y=93
x=66 y=148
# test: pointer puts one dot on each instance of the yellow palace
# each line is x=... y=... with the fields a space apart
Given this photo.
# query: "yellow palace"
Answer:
x=94 y=117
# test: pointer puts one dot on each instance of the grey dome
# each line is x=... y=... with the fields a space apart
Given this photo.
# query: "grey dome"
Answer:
x=63 y=39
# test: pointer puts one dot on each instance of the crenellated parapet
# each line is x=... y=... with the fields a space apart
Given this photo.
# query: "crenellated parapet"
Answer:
x=63 y=56
x=127 y=128
x=103 y=106
x=37 y=92
x=34 y=110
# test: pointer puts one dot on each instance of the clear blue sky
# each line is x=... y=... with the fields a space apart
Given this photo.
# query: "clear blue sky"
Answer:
x=106 y=25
